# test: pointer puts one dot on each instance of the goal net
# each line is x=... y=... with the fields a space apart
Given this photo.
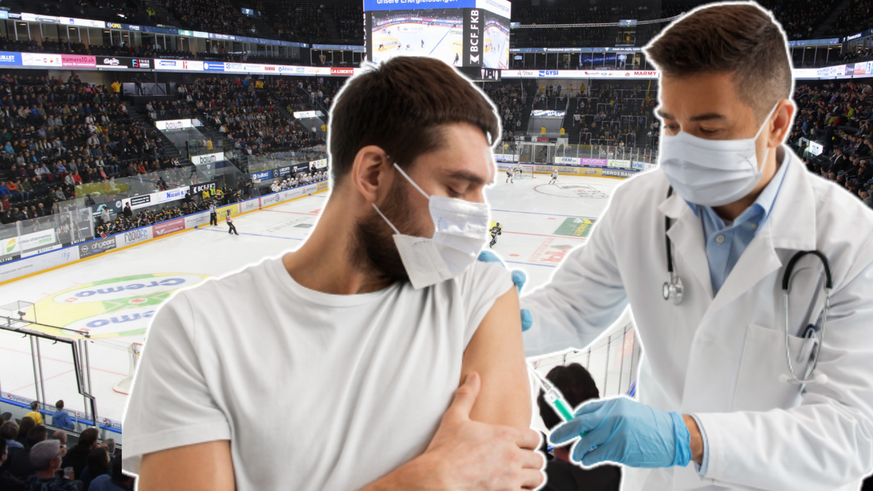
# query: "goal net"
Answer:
x=134 y=351
x=525 y=171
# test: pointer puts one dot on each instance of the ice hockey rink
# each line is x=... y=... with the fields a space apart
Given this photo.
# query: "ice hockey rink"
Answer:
x=442 y=42
x=411 y=38
x=541 y=224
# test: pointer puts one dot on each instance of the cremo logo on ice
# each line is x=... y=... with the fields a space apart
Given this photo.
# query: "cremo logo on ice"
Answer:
x=113 y=307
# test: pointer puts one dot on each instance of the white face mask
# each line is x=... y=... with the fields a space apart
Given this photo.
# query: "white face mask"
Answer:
x=460 y=229
x=712 y=172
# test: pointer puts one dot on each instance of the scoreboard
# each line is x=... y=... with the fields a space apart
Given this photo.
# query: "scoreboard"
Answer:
x=463 y=33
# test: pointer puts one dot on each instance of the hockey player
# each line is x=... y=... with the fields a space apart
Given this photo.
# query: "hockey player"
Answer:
x=510 y=174
x=495 y=231
x=231 y=229
x=554 y=179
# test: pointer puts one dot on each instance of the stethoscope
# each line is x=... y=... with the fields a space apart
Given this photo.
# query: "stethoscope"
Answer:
x=673 y=289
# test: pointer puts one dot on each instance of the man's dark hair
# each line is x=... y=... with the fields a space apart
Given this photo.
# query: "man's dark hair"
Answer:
x=401 y=106
x=88 y=437
x=27 y=424
x=575 y=383
x=9 y=431
x=738 y=38
x=36 y=434
x=60 y=403
x=96 y=461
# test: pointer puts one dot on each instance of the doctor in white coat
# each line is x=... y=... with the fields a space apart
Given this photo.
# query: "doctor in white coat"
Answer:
x=712 y=411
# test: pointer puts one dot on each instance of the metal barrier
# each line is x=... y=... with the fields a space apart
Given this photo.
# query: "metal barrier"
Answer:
x=20 y=317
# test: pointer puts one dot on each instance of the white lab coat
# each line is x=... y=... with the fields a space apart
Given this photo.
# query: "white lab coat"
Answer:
x=719 y=357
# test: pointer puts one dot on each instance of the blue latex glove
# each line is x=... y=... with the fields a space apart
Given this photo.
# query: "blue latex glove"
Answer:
x=624 y=431
x=518 y=277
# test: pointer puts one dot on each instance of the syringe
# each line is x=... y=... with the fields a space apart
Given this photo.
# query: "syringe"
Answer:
x=554 y=397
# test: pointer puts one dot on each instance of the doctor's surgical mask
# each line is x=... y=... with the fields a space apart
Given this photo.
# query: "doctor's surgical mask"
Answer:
x=712 y=172
x=460 y=229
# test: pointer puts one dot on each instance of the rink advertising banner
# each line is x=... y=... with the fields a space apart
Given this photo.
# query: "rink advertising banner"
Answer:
x=290 y=194
x=10 y=59
x=37 y=240
x=38 y=263
x=222 y=211
x=209 y=158
x=41 y=59
x=567 y=160
x=111 y=62
x=78 y=61
x=263 y=175
x=174 y=124
x=321 y=186
x=95 y=247
x=196 y=189
x=619 y=164
x=144 y=200
x=318 y=164
x=282 y=172
x=472 y=44
x=168 y=227
x=133 y=236
x=6 y=259
x=593 y=162
x=197 y=220
x=10 y=246
x=271 y=199
x=618 y=173
x=34 y=252
x=248 y=205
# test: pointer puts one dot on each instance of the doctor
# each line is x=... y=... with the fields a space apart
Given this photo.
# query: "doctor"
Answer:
x=713 y=412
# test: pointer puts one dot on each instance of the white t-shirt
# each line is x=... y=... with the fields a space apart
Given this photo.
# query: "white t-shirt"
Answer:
x=315 y=391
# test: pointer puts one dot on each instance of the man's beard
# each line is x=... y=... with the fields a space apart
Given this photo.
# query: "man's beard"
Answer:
x=373 y=248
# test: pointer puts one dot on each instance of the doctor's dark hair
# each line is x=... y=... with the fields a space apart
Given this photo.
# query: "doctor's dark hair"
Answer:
x=575 y=383
x=740 y=38
x=402 y=105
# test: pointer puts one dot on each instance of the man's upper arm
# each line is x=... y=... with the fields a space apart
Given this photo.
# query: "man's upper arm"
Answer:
x=171 y=405
x=495 y=351
x=205 y=466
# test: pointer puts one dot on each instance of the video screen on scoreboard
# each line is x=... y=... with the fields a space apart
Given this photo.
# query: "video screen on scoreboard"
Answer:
x=438 y=33
x=496 y=34
x=470 y=33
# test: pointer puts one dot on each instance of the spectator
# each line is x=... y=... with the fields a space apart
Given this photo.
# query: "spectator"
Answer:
x=9 y=433
x=8 y=482
x=77 y=457
x=61 y=436
x=117 y=481
x=19 y=463
x=27 y=424
x=45 y=457
x=577 y=386
x=98 y=464
x=61 y=418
